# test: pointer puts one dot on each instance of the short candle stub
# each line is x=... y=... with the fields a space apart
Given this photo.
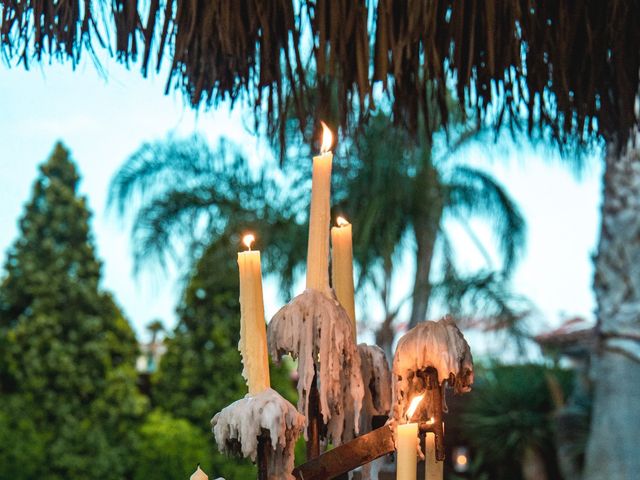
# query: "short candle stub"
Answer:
x=199 y=474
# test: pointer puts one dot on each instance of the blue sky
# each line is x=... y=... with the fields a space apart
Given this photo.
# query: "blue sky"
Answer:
x=103 y=120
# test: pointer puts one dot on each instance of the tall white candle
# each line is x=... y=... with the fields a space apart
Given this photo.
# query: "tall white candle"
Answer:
x=319 y=217
x=253 y=332
x=342 y=268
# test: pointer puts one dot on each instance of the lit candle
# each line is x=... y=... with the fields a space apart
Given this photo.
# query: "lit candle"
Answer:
x=342 y=268
x=407 y=444
x=199 y=475
x=319 y=216
x=433 y=468
x=253 y=332
x=407 y=451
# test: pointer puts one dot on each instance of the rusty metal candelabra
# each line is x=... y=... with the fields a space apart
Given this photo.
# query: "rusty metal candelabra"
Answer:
x=380 y=441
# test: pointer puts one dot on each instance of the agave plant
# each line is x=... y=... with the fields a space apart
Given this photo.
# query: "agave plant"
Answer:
x=508 y=421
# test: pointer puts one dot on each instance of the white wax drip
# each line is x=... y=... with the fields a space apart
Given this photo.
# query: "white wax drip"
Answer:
x=376 y=378
x=316 y=330
x=243 y=422
x=439 y=345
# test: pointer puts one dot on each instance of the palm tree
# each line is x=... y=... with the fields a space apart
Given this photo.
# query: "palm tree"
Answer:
x=155 y=327
x=612 y=451
x=399 y=194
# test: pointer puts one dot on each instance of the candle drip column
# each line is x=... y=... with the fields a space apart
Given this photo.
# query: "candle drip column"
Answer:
x=262 y=426
x=428 y=358
x=316 y=330
x=376 y=377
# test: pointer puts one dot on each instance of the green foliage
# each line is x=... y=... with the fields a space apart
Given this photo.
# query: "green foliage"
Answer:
x=22 y=443
x=169 y=448
x=201 y=372
x=509 y=411
x=68 y=351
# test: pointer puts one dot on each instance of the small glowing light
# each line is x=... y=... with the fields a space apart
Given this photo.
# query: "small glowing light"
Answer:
x=342 y=222
x=431 y=421
x=413 y=405
x=327 y=138
x=248 y=239
x=460 y=459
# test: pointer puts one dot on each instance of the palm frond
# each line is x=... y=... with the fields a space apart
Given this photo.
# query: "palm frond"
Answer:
x=161 y=164
x=187 y=196
x=176 y=219
x=482 y=300
x=568 y=68
x=473 y=192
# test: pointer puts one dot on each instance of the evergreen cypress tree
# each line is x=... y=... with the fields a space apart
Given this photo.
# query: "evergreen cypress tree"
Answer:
x=65 y=348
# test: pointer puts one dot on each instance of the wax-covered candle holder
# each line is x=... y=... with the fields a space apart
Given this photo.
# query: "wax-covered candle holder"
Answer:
x=429 y=358
x=262 y=427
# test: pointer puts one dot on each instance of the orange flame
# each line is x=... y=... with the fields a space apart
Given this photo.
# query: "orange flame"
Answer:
x=342 y=222
x=248 y=239
x=414 y=405
x=327 y=138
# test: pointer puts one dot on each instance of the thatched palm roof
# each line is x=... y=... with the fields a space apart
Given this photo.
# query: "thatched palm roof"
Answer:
x=571 y=67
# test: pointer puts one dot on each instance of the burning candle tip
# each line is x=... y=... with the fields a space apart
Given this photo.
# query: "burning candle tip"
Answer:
x=341 y=222
x=327 y=138
x=248 y=240
x=413 y=406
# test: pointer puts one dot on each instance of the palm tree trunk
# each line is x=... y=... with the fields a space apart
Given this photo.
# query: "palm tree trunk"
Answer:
x=425 y=240
x=429 y=207
x=612 y=451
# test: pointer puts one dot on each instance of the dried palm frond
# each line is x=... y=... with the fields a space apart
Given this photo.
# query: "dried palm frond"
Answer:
x=566 y=68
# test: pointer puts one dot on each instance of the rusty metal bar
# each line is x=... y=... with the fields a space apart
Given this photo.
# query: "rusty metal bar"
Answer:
x=313 y=429
x=349 y=456
x=264 y=445
x=433 y=405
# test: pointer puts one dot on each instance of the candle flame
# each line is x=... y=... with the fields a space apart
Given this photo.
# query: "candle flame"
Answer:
x=248 y=239
x=342 y=222
x=327 y=138
x=414 y=405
